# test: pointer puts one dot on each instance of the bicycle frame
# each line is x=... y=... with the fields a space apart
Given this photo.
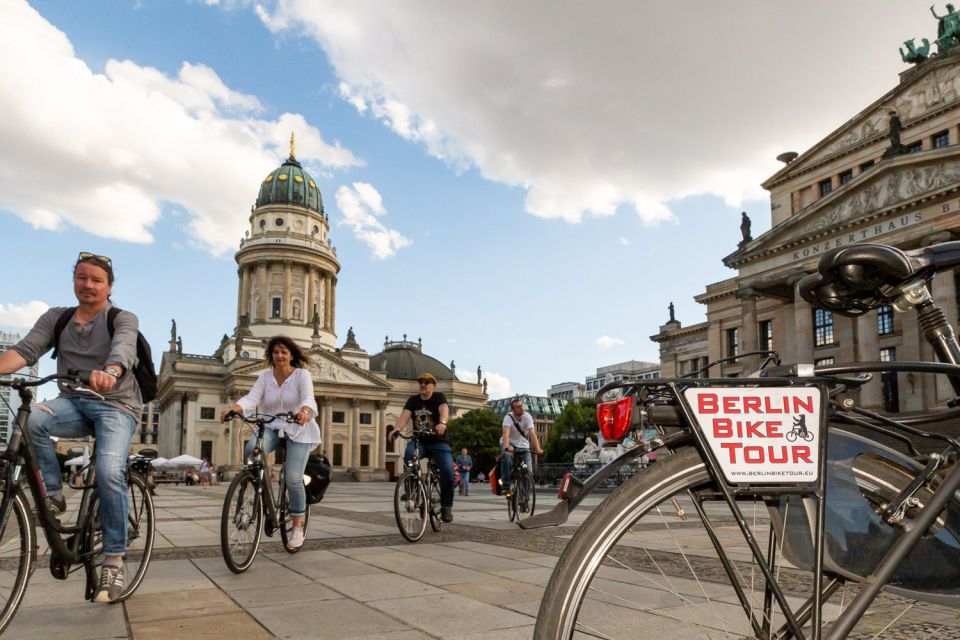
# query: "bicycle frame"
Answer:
x=261 y=480
x=21 y=458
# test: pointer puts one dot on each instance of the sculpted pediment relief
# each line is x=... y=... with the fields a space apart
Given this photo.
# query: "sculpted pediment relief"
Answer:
x=937 y=88
x=899 y=185
x=326 y=369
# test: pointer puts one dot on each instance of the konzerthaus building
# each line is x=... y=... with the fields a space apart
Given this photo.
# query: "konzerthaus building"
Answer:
x=891 y=174
x=287 y=283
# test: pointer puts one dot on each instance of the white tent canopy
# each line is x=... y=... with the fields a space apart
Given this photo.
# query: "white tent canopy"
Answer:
x=81 y=460
x=159 y=463
x=183 y=461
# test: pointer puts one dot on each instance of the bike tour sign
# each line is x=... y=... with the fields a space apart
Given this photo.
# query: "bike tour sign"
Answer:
x=761 y=434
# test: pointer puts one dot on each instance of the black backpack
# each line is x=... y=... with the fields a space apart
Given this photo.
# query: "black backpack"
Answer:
x=318 y=470
x=143 y=369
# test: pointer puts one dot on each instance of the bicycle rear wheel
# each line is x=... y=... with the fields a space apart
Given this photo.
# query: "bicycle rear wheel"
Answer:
x=513 y=500
x=16 y=556
x=141 y=531
x=241 y=523
x=410 y=506
x=286 y=520
x=436 y=522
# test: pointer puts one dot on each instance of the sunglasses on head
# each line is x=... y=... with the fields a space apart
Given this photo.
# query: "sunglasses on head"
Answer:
x=86 y=255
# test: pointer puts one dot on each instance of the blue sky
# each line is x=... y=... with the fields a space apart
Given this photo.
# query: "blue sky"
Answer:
x=548 y=175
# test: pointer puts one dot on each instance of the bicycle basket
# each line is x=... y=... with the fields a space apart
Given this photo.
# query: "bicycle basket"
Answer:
x=316 y=477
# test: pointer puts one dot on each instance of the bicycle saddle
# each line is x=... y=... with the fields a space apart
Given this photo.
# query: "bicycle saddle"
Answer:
x=854 y=280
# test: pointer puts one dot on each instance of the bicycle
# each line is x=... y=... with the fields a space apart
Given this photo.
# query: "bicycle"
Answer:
x=523 y=497
x=799 y=430
x=75 y=546
x=844 y=518
x=416 y=499
x=249 y=506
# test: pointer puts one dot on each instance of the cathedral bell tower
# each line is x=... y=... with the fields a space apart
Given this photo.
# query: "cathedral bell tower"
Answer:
x=286 y=264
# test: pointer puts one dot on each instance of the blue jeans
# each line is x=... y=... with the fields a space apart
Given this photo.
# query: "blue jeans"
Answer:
x=506 y=464
x=112 y=430
x=441 y=454
x=465 y=482
x=293 y=467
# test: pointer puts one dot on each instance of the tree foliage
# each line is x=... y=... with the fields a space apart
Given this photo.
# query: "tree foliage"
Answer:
x=479 y=431
x=577 y=421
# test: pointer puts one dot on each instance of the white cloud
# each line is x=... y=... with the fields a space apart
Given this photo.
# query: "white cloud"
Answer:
x=21 y=315
x=606 y=342
x=498 y=386
x=632 y=105
x=102 y=151
x=362 y=206
x=623 y=242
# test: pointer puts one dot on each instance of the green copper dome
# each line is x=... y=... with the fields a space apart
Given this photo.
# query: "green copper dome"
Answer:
x=290 y=184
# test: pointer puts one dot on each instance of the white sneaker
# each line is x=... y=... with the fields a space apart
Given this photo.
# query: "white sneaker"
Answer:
x=295 y=541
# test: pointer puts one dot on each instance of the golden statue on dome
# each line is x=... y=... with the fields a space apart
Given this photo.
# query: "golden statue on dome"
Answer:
x=293 y=146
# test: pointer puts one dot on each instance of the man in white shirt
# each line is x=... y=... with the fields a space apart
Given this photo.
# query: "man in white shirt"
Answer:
x=518 y=433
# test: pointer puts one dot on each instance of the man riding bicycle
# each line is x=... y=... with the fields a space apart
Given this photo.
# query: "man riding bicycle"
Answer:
x=86 y=344
x=429 y=411
x=518 y=432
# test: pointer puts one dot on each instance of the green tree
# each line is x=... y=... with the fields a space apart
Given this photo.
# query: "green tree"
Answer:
x=577 y=421
x=479 y=431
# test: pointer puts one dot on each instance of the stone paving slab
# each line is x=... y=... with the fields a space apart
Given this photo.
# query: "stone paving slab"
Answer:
x=357 y=579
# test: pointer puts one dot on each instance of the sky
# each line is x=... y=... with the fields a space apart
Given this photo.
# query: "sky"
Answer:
x=523 y=186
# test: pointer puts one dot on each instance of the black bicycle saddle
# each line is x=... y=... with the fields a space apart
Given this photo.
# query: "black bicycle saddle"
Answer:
x=854 y=280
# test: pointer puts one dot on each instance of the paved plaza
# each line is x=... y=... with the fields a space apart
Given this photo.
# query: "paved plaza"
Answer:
x=356 y=578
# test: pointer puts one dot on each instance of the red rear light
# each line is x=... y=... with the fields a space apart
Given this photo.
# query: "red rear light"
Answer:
x=564 y=485
x=614 y=418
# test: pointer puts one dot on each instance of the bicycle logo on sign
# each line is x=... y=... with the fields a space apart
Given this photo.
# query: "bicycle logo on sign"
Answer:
x=799 y=430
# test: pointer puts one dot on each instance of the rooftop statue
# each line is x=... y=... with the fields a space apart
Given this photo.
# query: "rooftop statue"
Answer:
x=914 y=54
x=745 y=228
x=672 y=317
x=948 y=27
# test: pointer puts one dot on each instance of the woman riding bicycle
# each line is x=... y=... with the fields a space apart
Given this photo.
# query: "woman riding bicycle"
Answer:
x=286 y=386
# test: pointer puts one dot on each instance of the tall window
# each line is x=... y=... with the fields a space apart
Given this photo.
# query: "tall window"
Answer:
x=366 y=418
x=885 y=320
x=733 y=340
x=339 y=417
x=275 y=309
x=826 y=186
x=941 y=139
x=888 y=355
x=337 y=454
x=822 y=327
x=364 y=455
x=846 y=176
x=766 y=335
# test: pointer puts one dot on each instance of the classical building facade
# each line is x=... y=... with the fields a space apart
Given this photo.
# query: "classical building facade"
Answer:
x=10 y=399
x=890 y=175
x=570 y=391
x=544 y=411
x=287 y=279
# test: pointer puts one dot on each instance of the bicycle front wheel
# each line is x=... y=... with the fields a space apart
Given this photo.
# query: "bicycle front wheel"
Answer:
x=16 y=556
x=141 y=531
x=286 y=520
x=639 y=562
x=410 y=506
x=436 y=522
x=528 y=502
x=241 y=523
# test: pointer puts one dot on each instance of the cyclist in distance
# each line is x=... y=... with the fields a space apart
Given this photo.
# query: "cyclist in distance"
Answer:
x=85 y=344
x=428 y=410
x=518 y=432
x=286 y=386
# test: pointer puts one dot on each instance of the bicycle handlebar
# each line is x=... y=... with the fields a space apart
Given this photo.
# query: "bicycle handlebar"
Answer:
x=262 y=418
x=76 y=376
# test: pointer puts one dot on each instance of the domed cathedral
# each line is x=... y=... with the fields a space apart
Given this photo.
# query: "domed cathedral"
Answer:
x=287 y=272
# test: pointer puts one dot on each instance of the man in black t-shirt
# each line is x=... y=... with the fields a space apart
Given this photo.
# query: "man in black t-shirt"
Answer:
x=428 y=410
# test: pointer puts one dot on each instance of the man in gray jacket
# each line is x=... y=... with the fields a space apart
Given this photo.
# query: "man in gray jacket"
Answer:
x=85 y=344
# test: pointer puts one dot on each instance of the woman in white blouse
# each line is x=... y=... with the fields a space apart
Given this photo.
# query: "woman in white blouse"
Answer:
x=286 y=386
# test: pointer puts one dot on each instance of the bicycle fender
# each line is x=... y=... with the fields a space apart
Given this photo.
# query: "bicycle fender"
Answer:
x=559 y=514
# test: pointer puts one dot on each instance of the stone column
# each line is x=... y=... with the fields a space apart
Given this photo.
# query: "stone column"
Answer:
x=286 y=310
x=333 y=304
x=244 y=304
x=355 y=434
x=910 y=384
x=262 y=291
x=327 y=427
x=802 y=330
x=326 y=302
x=308 y=295
x=868 y=350
x=748 y=328
x=945 y=295
x=381 y=447
x=240 y=272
